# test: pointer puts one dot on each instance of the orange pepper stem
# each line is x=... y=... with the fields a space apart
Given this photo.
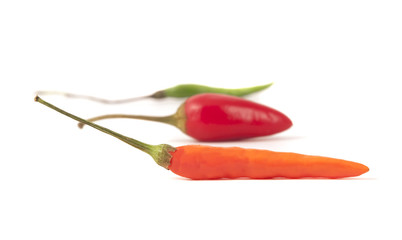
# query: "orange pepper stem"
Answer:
x=160 y=153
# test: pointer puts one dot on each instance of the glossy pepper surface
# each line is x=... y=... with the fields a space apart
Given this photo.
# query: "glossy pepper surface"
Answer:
x=217 y=117
x=207 y=162
x=220 y=117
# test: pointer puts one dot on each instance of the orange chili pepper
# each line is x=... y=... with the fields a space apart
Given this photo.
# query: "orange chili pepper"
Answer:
x=206 y=162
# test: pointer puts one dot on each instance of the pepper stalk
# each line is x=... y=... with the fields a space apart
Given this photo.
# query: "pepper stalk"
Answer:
x=160 y=153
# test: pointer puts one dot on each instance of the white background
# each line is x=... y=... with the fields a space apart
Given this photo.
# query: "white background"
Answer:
x=336 y=66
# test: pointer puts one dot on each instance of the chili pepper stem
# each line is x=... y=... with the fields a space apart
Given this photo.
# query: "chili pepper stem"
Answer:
x=160 y=153
x=166 y=119
x=92 y=98
x=178 y=119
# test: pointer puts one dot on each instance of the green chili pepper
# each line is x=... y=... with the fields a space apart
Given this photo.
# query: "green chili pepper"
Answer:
x=179 y=91
x=188 y=90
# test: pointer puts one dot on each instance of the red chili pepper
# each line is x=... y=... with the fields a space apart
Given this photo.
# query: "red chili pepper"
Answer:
x=213 y=117
x=206 y=162
x=218 y=117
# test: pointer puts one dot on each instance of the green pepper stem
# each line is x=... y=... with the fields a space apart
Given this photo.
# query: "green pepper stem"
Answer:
x=160 y=153
x=92 y=98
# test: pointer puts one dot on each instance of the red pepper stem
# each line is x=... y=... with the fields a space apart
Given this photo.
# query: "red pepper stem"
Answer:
x=178 y=119
x=160 y=153
x=166 y=119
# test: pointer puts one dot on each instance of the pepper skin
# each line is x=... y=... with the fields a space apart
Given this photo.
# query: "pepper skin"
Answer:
x=207 y=162
x=217 y=117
